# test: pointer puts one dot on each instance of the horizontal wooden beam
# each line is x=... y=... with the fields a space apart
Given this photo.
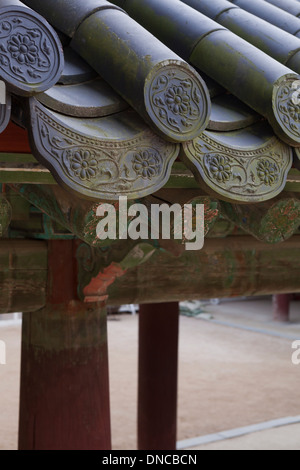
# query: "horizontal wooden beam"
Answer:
x=23 y=275
x=230 y=267
x=24 y=168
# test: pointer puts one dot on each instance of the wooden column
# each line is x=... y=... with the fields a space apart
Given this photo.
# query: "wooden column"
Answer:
x=64 y=400
x=281 y=307
x=158 y=375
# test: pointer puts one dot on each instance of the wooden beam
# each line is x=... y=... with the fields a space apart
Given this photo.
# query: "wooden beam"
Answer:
x=230 y=267
x=227 y=267
x=23 y=275
x=24 y=168
x=270 y=222
x=5 y=215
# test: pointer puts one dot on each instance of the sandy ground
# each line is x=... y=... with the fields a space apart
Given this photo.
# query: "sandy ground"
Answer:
x=229 y=377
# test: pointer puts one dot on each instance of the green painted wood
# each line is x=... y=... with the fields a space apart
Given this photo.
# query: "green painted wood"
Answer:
x=28 y=173
x=23 y=275
x=271 y=222
x=76 y=215
x=262 y=82
x=20 y=207
x=181 y=177
x=5 y=215
x=231 y=267
x=222 y=229
x=293 y=181
x=17 y=158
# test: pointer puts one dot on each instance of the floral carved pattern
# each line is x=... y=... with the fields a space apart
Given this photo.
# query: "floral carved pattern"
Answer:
x=23 y=49
x=288 y=107
x=147 y=164
x=29 y=54
x=84 y=164
x=220 y=168
x=268 y=172
x=178 y=100
x=239 y=175
x=178 y=103
x=104 y=169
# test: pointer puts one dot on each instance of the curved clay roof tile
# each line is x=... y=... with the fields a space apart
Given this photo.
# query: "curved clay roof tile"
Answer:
x=248 y=73
x=272 y=14
x=136 y=64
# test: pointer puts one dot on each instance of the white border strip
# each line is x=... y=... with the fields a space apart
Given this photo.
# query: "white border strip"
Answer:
x=222 y=436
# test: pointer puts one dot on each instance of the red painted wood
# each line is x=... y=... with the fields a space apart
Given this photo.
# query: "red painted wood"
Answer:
x=158 y=375
x=14 y=140
x=64 y=398
x=62 y=271
x=281 y=307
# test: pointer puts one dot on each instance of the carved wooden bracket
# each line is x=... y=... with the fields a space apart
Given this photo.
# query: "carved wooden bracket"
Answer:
x=31 y=56
x=103 y=158
x=251 y=165
x=270 y=222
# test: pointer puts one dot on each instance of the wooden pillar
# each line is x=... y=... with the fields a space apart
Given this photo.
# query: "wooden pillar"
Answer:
x=281 y=307
x=64 y=399
x=158 y=375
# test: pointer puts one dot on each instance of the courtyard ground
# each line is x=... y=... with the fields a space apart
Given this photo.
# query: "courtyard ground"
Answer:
x=235 y=371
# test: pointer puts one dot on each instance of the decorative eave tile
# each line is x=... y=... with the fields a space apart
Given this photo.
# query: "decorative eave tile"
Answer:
x=103 y=158
x=246 y=166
